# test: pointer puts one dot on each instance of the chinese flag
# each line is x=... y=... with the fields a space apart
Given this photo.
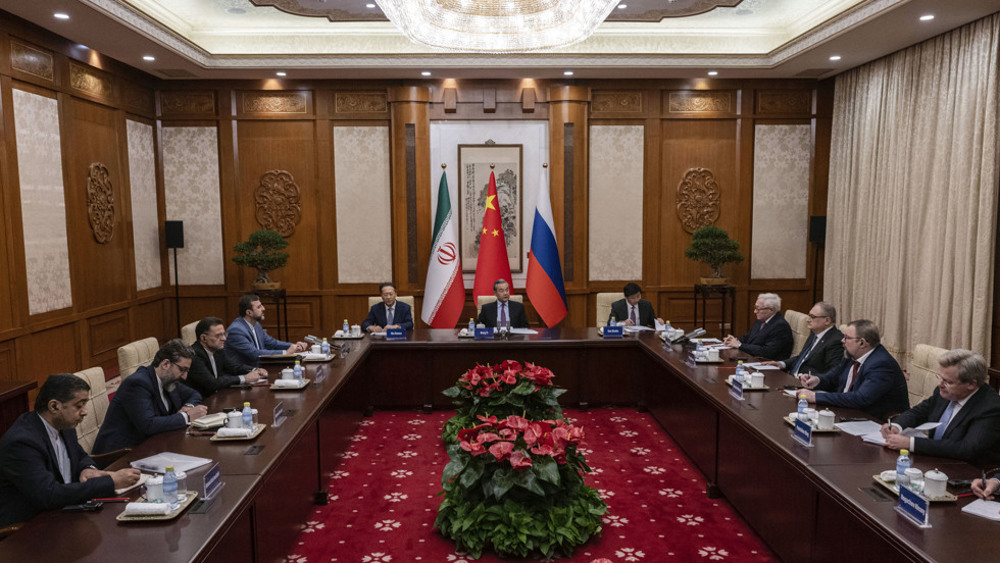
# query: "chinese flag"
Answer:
x=492 y=263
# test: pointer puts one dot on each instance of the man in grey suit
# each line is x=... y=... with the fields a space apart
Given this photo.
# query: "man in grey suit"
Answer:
x=823 y=349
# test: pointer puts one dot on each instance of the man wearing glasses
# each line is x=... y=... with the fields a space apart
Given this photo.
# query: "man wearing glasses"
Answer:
x=150 y=401
x=868 y=379
x=823 y=349
x=770 y=336
x=965 y=405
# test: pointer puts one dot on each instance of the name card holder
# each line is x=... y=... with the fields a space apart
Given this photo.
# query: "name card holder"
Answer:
x=914 y=507
x=613 y=331
x=736 y=390
x=803 y=433
x=212 y=483
x=484 y=333
x=395 y=334
x=279 y=414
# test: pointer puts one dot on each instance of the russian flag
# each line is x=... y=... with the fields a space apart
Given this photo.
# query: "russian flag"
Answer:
x=545 y=282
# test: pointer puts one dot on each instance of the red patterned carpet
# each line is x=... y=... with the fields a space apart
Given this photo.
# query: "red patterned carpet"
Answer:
x=383 y=499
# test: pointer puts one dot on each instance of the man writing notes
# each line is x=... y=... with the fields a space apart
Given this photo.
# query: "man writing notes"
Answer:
x=150 y=401
x=633 y=310
x=503 y=312
x=42 y=466
x=770 y=336
x=965 y=405
x=390 y=313
x=868 y=378
x=211 y=369
x=823 y=349
x=247 y=340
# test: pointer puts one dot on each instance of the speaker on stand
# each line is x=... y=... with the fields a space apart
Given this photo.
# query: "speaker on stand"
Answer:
x=174 y=234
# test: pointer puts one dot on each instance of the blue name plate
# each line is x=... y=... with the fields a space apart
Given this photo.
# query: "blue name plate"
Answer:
x=395 y=334
x=613 y=331
x=803 y=432
x=736 y=390
x=484 y=333
x=914 y=507
x=213 y=482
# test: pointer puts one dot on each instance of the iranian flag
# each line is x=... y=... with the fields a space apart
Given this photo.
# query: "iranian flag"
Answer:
x=444 y=294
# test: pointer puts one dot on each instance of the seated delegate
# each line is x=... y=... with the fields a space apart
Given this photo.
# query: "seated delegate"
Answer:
x=633 y=310
x=770 y=336
x=823 y=350
x=211 y=369
x=247 y=340
x=503 y=312
x=390 y=313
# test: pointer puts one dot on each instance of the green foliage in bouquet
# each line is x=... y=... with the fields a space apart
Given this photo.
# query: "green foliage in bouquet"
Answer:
x=516 y=486
x=502 y=390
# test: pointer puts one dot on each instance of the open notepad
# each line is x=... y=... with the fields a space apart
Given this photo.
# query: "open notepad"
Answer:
x=985 y=508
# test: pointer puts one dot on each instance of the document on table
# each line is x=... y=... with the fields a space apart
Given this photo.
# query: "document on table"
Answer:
x=985 y=508
x=523 y=331
x=860 y=427
x=637 y=328
x=874 y=438
x=759 y=366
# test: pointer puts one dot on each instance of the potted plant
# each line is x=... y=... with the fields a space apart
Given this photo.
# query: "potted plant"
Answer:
x=713 y=246
x=263 y=251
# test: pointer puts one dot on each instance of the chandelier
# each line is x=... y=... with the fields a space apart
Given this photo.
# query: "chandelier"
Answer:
x=497 y=26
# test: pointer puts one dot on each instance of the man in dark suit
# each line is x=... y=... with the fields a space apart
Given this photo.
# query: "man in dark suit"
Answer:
x=503 y=311
x=247 y=339
x=211 y=369
x=42 y=466
x=770 y=336
x=150 y=401
x=868 y=379
x=965 y=405
x=390 y=313
x=823 y=349
x=633 y=310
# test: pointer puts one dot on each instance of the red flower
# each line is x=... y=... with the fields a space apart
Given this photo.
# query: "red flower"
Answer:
x=517 y=422
x=509 y=377
x=501 y=449
x=543 y=449
x=520 y=459
x=510 y=365
x=492 y=420
x=533 y=433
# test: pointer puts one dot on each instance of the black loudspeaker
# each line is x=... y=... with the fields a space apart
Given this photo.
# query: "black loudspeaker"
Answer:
x=817 y=229
x=174 y=231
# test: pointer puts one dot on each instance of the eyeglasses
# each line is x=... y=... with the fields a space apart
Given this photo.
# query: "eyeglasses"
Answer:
x=814 y=317
x=181 y=368
x=762 y=309
x=852 y=338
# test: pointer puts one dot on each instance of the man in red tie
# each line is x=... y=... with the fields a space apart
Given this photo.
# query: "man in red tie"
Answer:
x=868 y=379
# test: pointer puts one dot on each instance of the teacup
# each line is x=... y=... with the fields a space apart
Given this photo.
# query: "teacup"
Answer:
x=935 y=484
x=316 y=349
x=826 y=420
x=154 y=489
x=355 y=330
x=287 y=373
x=757 y=379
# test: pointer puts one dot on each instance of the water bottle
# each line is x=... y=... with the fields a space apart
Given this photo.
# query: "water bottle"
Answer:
x=170 y=487
x=741 y=375
x=902 y=464
x=247 y=416
x=325 y=347
x=611 y=321
x=297 y=370
x=472 y=325
x=667 y=327
x=347 y=329
x=803 y=405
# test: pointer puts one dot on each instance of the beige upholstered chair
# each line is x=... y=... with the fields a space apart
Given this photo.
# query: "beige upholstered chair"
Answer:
x=187 y=333
x=800 y=329
x=922 y=372
x=97 y=407
x=135 y=354
x=408 y=299
x=604 y=301
x=484 y=299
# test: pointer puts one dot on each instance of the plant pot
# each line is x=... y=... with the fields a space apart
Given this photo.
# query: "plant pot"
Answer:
x=267 y=286
x=714 y=281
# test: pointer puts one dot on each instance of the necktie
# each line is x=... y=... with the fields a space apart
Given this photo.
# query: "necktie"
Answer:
x=389 y=316
x=632 y=315
x=803 y=356
x=503 y=314
x=854 y=376
x=253 y=332
x=945 y=419
x=211 y=360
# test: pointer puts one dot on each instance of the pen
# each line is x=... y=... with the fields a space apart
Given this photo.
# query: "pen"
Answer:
x=112 y=499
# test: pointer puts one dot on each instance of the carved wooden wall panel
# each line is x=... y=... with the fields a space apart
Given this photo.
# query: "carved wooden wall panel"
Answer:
x=139 y=100
x=275 y=102
x=187 y=102
x=100 y=202
x=698 y=199
x=32 y=60
x=701 y=102
x=90 y=81
x=277 y=202
x=784 y=101
x=617 y=101
x=360 y=102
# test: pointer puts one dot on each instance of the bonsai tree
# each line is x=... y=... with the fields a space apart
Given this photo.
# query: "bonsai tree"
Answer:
x=263 y=251
x=713 y=246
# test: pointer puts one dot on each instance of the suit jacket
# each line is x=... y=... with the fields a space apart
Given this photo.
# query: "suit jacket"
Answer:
x=973 y=435
x=241 y=349
x=826 y=355
x=402 y=316
x=30 y=481
x=879 y=388
x=619 y=310
x=488 y=316
x=136 y=411
x=201 y=378
x=772 y=340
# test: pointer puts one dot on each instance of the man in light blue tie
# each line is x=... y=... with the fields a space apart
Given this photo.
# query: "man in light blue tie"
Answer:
x=965 y=405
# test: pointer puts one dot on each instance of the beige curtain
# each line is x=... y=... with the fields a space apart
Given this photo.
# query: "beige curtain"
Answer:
x=913 y=192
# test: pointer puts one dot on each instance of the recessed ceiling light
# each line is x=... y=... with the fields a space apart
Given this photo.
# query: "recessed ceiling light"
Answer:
x=622 y=6
x=834 y=57
x=60 y=16
x=567 y=73
x=236 y=11
x=369 y=5
x=280 y=73
x=926 y=17
x=425 y=73
x=713 y=73
x=148 y=58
